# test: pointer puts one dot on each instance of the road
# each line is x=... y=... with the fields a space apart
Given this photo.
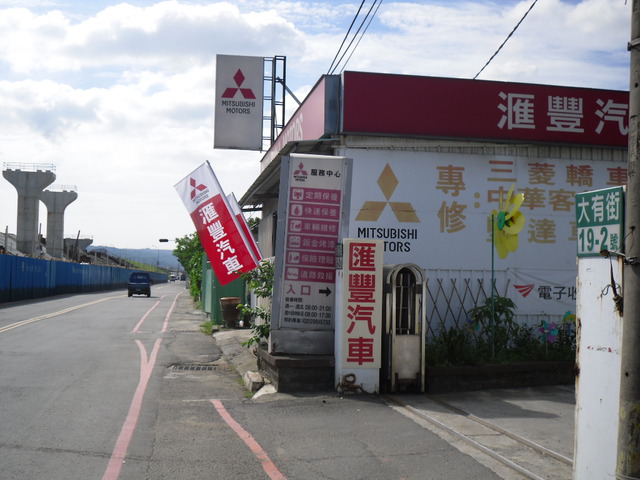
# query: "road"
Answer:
x=104 y=386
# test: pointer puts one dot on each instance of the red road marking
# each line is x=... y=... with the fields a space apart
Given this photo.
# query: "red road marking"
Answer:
x=166 y=319
x=144 y=317
x=269 y=467
x=124 y=439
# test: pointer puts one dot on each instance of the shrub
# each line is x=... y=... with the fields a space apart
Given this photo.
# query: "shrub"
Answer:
x=503 y=340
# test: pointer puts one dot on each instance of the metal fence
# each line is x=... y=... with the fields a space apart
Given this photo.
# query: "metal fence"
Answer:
x=451 y=294
x=23 y=278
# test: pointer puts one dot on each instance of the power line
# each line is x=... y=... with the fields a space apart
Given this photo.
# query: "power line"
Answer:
x=354 y=37
x=345 y=37
x=362 y=35
x=506 y=39
x=334 y=64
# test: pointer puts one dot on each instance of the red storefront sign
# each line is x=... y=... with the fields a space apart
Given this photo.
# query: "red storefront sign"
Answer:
x=222 y=238
x=383 y=104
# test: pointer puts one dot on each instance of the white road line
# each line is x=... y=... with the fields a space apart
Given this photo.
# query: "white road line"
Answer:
x=46 y=316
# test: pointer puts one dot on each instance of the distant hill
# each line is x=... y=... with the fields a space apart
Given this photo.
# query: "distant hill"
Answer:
x=150 y=256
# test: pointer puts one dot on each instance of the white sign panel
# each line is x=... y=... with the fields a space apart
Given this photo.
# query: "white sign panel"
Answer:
x=238 y=102
x=433 y=209
x=362 y=303
x=314 y=211
x=543 y=292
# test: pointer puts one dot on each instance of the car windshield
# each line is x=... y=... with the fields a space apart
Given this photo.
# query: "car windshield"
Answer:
x=139 y=276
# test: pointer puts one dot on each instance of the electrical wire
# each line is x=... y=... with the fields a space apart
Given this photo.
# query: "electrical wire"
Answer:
x=506 y=39
x=345 y=37
x=334 y=64
x=354 y=37
x=362 y=35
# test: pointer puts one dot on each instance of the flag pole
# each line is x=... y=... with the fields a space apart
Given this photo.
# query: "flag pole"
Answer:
x=493 y=330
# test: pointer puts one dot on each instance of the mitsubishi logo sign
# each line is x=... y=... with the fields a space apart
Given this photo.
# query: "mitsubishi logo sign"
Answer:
x=195 y=188
x=246 y=92
x=371 y=210
x=239 y=102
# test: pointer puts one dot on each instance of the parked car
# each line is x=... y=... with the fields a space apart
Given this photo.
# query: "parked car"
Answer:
x=139 y=284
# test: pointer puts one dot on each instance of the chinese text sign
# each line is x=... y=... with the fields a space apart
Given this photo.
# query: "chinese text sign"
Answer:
x=222 y=238
x=312 y=226
x=599 y=218
x=362 y=303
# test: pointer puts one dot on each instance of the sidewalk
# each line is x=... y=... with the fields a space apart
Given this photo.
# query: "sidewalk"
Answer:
x=544 y=416
x=243 y=359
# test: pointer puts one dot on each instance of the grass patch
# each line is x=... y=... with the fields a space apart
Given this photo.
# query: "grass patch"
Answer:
x=207 y=328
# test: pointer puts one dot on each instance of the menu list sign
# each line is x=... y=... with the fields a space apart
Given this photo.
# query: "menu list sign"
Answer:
x=312 y=228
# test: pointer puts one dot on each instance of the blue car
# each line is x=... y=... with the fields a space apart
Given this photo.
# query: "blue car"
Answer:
x=139 y=284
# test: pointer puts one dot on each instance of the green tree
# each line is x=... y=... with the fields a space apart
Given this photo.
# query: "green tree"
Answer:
x=189 y=253
x=260 y=282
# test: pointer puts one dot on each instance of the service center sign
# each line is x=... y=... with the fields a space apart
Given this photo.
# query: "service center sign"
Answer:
x=238 y=102
x=222 y=238
x=312 y=227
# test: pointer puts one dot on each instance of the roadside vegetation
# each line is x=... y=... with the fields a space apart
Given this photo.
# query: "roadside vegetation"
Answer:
x=189 y=253
x=481 y=341
x=260 y=282
x=145 y=267
x=207 y=328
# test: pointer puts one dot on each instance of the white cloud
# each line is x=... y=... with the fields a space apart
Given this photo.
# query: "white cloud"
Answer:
x=121 y=99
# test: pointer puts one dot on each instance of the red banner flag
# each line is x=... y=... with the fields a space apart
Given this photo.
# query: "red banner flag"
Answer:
x=224 y=241
x=237 y=211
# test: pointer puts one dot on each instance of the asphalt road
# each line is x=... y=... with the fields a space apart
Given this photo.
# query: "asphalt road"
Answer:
x=104 y=386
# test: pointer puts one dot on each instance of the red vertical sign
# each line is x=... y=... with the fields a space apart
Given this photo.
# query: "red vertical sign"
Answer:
x=222 y=238
x=362 y=303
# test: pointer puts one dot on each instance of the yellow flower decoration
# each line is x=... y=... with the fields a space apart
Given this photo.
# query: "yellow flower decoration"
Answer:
x=507 y=223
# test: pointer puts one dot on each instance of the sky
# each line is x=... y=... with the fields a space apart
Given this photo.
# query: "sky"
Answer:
x=118 y=96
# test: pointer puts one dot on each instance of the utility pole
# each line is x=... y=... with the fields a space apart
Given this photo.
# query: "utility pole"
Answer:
x=628 y=461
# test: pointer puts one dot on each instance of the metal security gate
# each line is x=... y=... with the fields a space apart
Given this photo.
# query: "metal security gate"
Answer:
x=404 y=321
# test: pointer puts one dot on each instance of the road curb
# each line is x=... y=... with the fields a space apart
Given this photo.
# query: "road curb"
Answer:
x=241 y=357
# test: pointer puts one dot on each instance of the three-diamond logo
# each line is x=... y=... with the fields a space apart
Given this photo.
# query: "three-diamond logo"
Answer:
x=195 y=188
x=230 y=92
x=300 y=174
x=371 y=210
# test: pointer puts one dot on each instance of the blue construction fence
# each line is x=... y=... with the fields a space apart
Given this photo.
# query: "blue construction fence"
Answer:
x=23 y=278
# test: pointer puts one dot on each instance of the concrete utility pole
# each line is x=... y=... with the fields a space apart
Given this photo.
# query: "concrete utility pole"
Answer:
x=628 y=463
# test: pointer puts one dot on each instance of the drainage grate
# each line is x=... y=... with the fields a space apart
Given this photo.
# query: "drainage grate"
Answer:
x=193 y=368
x=185 y=331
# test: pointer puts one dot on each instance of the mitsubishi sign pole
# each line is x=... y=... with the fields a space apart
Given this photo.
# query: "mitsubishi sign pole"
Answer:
x=628 y=466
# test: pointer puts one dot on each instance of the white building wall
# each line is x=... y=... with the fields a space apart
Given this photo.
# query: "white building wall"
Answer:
x=431 y=202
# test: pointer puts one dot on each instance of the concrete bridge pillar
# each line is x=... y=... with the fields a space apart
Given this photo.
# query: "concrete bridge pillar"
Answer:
x=29 y=181
x=57 y=199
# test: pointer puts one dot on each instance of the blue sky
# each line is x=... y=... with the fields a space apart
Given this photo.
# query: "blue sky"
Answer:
x=119 y=95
